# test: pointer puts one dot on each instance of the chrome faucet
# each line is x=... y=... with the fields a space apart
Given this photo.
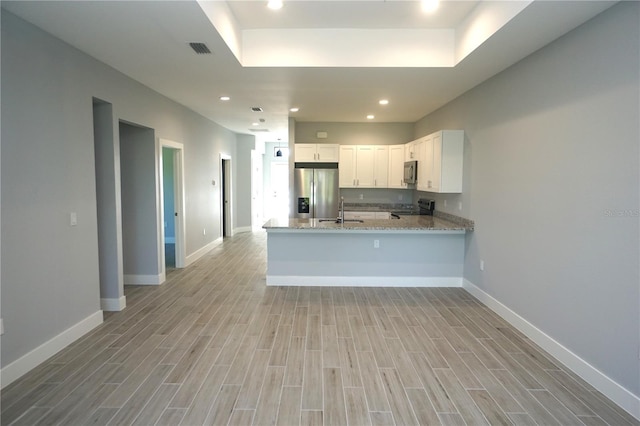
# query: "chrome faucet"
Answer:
x=341 y=218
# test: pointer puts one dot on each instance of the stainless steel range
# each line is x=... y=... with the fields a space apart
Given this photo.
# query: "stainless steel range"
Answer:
x=426 y=207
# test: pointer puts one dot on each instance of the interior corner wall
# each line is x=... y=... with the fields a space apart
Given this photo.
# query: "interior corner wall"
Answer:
x=552 y=182
x=50 y=272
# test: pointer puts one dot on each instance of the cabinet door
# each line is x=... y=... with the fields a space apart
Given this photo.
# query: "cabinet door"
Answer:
x=305 y=152
x=436 y=169
x=410 y=151
x=347 y=166
x=396 y=167
x=328 y=153
x=365 y=166
x=381 y=166
x=425 y=162
x=351 y=215
x=450 y=152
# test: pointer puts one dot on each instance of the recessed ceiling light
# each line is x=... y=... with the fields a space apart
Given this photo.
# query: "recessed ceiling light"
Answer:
x=224 y=98
x=274 y=4
x=255 y=124
x=383 y=102
x=370 y=117
x=294 y=109
x=430 y=5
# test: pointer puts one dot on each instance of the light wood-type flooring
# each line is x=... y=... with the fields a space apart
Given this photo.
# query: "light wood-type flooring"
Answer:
x=214 y=345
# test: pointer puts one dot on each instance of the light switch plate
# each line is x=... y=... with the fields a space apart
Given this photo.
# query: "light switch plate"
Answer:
x=73 y=219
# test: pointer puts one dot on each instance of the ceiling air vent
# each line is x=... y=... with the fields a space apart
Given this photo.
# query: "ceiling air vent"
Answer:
x=200 y=48
x=256 y=109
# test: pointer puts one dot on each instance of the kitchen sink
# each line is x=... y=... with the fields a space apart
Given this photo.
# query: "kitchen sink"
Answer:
x=340 y=221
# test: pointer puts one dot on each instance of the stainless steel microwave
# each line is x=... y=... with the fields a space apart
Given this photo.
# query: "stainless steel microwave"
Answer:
x=410 y=172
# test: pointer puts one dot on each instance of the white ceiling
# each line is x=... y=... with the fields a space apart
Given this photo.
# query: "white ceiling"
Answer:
x=147 y=40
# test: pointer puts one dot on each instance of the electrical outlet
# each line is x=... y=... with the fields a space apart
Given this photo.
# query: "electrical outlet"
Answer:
x=399 y=197
x=73 y=219
x=362 y=196
x=459 y=205
x=445 y=204
x=482 y=265
x=376 y=243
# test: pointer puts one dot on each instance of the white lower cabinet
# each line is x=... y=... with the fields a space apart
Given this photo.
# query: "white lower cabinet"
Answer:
x=358 y=215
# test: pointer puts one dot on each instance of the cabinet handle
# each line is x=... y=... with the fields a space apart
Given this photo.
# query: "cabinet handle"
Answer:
x=318 y=156
x=354 y=182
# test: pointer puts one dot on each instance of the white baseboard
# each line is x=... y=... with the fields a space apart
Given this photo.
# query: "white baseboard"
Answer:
x=322 y=281
x=27 y=362
x=242 y=229
x=113 y=305
x=144 y=279
x=611 y=389
x=202 y=251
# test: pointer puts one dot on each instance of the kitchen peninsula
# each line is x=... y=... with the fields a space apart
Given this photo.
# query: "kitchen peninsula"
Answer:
x=407 y=251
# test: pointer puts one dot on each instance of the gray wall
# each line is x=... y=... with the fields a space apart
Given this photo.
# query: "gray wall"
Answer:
x=242 y=182
x=50 y=277
x=107 y=155
x=354 y=133
x=551 y=180
x=139 y=209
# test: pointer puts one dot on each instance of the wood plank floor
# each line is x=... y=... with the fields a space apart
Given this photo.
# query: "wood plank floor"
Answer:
x=214 y=345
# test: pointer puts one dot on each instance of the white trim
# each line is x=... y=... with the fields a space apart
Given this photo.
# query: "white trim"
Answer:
x=242 y=229
x=202 y=251
x=226 y=209
x=32 y=359
x=343 y=281
x=611 y=389
x=113 y=305
x=180 y=207
x=144 y=279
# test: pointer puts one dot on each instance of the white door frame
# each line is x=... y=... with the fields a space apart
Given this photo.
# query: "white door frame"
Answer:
x=178 y=195
x=226 y=209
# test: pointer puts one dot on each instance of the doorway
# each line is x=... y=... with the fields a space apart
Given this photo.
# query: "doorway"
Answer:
x=225 y=196
x=141 y=243
x=279 y=202
x=172 y=203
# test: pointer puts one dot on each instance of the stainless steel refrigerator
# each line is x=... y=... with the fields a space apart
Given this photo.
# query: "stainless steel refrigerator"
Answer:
x=316 y=190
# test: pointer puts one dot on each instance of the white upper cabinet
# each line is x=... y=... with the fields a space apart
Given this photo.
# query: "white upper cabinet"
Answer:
x=381 y=166
x=364 y=166
x=410 y=153
x=317 y=153
x=347 y=166
x=440 y=162
x=396 y=167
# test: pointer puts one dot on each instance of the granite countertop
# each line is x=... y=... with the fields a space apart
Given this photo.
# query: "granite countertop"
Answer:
x=438 y=222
